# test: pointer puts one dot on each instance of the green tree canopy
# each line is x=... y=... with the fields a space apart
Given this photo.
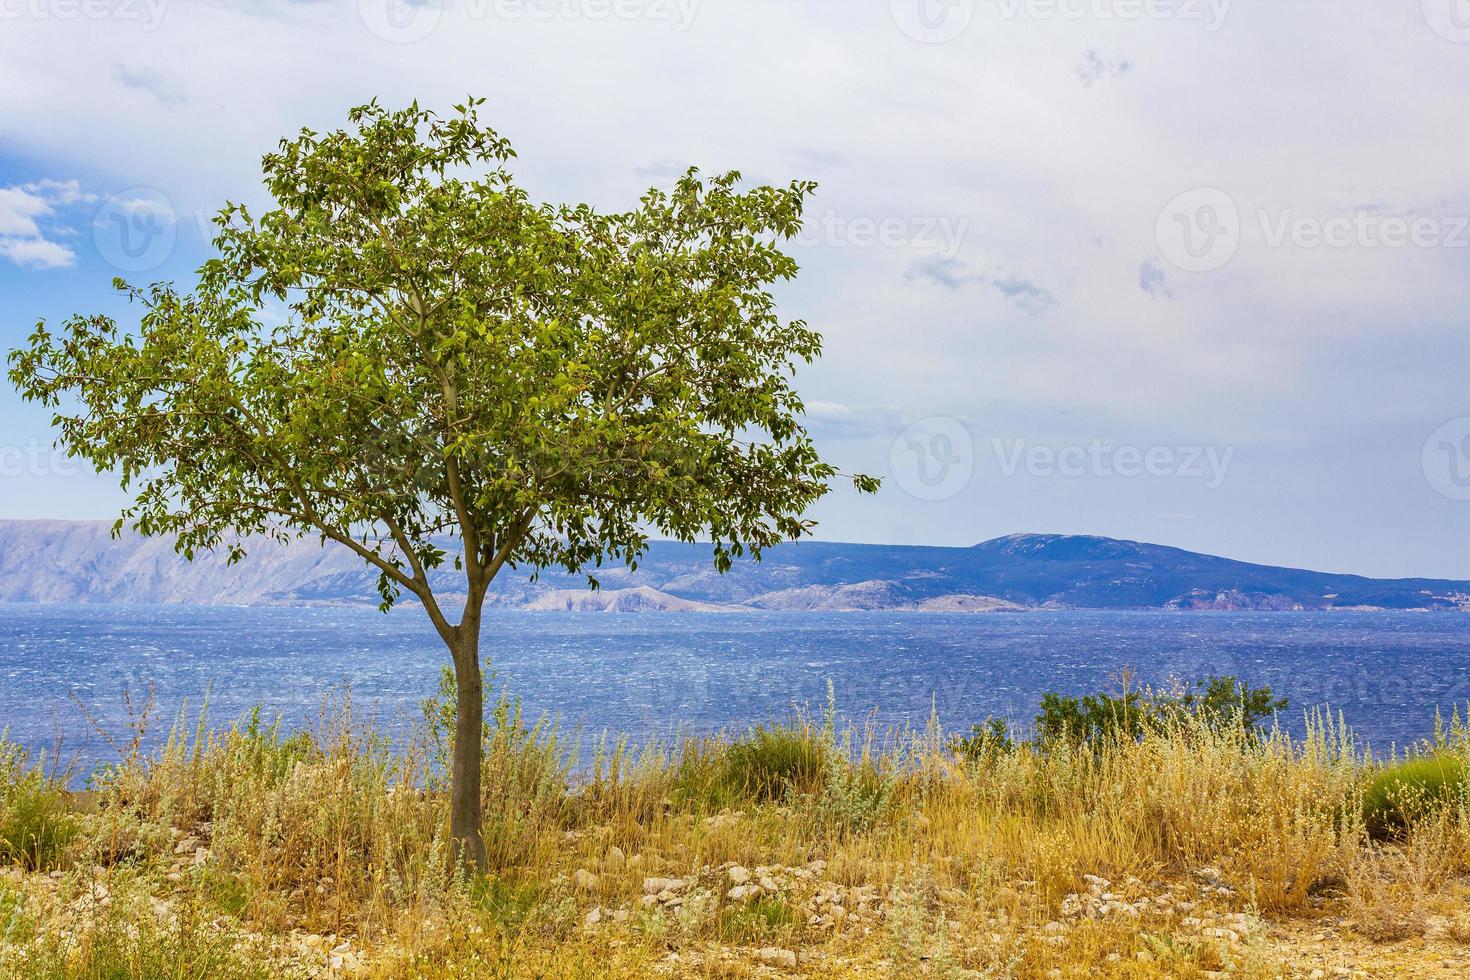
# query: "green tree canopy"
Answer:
x=406 y=351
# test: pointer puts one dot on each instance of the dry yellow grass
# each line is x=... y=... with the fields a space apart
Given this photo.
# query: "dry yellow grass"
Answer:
x=798 y=851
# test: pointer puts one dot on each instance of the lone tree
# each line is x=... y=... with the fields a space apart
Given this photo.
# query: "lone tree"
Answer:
x=427 y=368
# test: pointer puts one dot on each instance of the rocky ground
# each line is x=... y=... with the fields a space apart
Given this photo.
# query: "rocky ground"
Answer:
x=1197 y=927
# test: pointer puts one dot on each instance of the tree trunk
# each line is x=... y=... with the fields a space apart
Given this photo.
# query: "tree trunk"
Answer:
x=464 y=793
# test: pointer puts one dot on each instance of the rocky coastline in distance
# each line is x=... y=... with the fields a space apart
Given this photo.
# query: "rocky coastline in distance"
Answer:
x=80 y=562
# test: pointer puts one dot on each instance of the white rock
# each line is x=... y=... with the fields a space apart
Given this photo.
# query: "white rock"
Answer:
x=772 y=956
x=652 y=886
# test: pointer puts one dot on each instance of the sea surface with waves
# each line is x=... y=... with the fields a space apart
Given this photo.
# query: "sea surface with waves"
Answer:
x=64 y=669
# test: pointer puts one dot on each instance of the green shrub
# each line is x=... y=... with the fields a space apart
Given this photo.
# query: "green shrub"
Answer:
x=770 y=764
x=1216 y=704
x=36 y=828
x=1091 y=719
x=764 y=920
x=773 y=762
x=1223 y=702
x=1408 y=790
x=987 y=740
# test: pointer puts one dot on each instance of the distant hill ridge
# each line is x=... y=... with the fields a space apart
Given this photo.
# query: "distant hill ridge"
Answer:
x=75 y=562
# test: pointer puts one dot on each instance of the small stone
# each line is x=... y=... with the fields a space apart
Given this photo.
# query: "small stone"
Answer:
x=741 y=893
x=653 y=886
x=739 y=875
x=593 y=917
x=615 y=860
x=1143 y=956
x=772 y=956
x=584 y=879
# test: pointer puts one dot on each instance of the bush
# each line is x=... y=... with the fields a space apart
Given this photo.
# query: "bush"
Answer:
x=774 y=762
x=985 y=741
x=1408 y=790
x=771 y=763
x=1219 y=704
x=36 y=828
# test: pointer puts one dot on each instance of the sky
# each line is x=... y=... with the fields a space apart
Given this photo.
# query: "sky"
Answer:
x=1194 y=272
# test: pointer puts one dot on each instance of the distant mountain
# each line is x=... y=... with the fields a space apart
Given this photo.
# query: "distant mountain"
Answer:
x=61 y=562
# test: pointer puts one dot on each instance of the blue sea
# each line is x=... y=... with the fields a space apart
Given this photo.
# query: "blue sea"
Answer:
x=64 y=669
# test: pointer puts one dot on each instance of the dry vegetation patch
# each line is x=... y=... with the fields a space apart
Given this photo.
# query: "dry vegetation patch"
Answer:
x=800 y=850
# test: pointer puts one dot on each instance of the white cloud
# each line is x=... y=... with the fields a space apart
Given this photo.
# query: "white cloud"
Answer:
x=36 y=253
x=27 y=230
